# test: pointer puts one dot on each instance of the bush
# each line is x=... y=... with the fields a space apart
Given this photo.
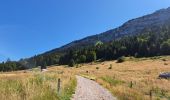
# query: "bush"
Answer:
x=121 y=59
x=110 y=66
x=91 y=56
x=97 y=67
x=164 y=60
x=72 y=63
x=165 y=47
x=136 y=55
x=82 y=59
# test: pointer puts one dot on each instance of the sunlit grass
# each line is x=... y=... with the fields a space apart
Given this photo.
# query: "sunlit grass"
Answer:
x=36 y=86
x=134 y=79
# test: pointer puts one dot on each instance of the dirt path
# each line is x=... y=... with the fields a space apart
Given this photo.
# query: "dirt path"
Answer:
x=90 y=90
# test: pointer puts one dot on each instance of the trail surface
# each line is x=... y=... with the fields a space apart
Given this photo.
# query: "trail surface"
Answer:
x=90 y=90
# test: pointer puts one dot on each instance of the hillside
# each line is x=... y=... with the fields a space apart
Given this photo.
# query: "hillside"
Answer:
x=145 y=36
x=134 y=79
x=132 y=27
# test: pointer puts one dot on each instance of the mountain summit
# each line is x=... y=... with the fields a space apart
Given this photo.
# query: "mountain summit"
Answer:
x=131 y=27
x=145 y=36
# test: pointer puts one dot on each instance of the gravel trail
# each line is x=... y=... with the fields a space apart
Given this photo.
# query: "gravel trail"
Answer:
x=90 y=90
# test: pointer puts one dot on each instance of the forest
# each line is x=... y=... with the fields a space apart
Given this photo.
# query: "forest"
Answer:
x=153 y=41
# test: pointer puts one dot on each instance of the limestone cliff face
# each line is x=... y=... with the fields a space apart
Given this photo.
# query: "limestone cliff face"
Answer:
x=132 y=27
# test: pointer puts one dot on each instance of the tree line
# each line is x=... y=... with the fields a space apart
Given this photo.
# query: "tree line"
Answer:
x=151 y=42
x=154 y=41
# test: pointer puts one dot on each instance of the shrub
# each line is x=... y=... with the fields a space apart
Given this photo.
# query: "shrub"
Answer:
x=121 y=59
x=136 y=55
x=131 y=84
x=110 y=66
x=165 y=47
x=91 y=56
x=72 y=63
x=82 y=59
x=164 y=60
x=97 y=67
x=77 y=66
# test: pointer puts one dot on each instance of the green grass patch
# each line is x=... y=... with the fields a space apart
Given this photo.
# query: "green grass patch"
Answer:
x=89 y=77
x=112 y=81
x=68 y=90
x=35 y=88
x=41 y=86
x=161 y=93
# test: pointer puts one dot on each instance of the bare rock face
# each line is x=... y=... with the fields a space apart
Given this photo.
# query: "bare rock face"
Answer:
x=132 y=27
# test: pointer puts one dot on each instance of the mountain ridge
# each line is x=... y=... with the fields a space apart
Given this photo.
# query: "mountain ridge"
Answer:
x=131 y=27
x=146 y=36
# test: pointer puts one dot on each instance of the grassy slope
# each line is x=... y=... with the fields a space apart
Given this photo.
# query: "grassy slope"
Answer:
x=134 y=79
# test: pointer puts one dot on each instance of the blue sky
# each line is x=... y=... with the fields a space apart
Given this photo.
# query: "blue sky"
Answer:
x=29 y=27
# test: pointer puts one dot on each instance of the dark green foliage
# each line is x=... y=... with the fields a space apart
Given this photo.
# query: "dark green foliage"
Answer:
x=131 y=84
x=82 y=59
x=72 y=63
x=11 y=66
x=91 y=56
x=121 y=59
x=40 y=60
x=153 y=41
x=44 y=65
x=150 y=42
x=79 y=56
x=165 y=47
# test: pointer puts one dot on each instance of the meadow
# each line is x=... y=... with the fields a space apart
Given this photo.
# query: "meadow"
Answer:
x=133 y=79
x=36 y=85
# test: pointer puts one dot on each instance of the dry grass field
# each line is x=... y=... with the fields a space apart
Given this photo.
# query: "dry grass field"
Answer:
x=134 y=79
x=34 y=85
